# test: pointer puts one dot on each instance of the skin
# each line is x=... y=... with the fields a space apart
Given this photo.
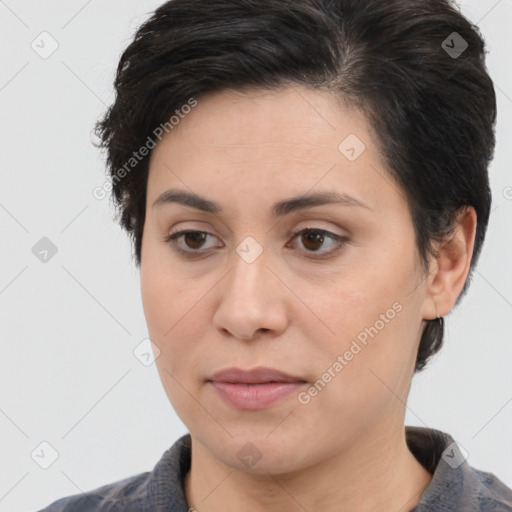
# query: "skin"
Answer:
x=287 y=309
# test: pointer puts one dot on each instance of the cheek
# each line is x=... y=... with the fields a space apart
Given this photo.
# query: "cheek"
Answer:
x=171 y=291
x=174 y=326
x=366 y=379
x=375 y=321
x=161 y=290
x=156 y=302
x=170 y=316
x=176 y=316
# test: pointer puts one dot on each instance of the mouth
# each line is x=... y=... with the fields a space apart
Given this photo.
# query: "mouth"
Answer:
x=253 y=389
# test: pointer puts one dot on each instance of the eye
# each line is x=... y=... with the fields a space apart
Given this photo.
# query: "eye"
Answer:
x=314 y=238
x=194 y=240
x=311 y=238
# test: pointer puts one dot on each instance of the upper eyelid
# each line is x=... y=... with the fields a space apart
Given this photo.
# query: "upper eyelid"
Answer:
x=311 y=224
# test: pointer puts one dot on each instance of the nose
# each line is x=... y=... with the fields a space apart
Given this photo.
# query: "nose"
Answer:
x=251 y=299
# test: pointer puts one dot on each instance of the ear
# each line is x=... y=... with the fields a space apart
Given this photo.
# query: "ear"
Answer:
x=449 y=269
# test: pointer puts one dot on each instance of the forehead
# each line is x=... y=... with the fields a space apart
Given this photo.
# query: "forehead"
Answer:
x=269 y=143
x=293 y=118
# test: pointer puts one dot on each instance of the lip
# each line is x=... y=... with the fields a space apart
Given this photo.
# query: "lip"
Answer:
x=256 y=388
x=258 y=375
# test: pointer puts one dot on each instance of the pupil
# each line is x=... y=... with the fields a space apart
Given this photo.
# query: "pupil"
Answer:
x=197 y=237
x=313 y=237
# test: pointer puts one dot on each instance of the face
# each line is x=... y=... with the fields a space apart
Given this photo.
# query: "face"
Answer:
x=332 y=294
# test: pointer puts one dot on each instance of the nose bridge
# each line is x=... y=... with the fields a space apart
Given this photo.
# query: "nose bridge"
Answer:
x=250 y=270
x=248 y=302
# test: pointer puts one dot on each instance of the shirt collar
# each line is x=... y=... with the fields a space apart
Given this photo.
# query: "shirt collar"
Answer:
x=455 y=486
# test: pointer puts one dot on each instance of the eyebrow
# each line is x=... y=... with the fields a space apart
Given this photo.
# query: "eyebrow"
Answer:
x=279 y=209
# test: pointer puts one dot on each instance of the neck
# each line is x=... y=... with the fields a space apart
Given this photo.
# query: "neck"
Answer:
x=378 y=472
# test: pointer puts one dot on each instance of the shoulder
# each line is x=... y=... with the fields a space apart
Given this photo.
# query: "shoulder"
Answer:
x=455 y=485
x=144 y=492
x=492 y=494
x=123 y=493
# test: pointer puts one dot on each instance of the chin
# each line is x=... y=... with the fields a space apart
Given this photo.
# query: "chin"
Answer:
x=259 y=453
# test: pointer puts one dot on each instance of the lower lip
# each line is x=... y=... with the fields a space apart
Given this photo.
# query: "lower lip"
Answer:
x=255 y=396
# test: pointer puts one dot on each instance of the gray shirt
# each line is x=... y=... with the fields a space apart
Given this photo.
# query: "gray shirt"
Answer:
x=455 y=485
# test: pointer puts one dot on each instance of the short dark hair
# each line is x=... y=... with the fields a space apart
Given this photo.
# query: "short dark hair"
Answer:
x=415 y=68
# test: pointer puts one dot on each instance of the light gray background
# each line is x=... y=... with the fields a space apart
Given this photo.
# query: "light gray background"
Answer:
x=69 y=326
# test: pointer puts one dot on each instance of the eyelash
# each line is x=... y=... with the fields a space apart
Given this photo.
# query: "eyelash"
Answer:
x=171 y=239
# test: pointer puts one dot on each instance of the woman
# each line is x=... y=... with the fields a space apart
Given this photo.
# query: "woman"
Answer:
x=305 y=184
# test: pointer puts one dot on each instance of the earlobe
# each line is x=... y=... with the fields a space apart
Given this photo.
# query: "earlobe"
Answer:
x=451 y=266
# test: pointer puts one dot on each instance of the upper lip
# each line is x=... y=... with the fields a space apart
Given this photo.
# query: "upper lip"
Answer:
x=257 y=375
